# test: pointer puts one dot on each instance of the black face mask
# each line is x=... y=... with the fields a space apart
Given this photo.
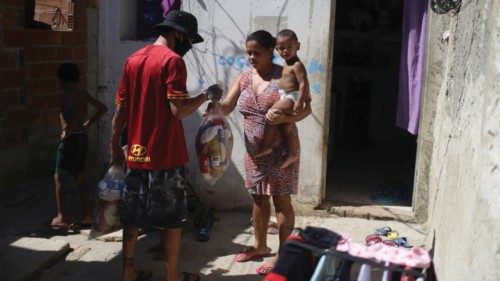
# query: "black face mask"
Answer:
x=182 y=45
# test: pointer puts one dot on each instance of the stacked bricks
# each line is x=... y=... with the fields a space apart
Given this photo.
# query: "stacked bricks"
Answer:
x=29 y=89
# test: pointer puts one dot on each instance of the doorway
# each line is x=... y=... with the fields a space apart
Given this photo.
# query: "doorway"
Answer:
x=371 y=162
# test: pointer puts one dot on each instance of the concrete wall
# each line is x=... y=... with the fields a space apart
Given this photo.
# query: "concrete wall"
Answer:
x=459 y=143
x=225 y=25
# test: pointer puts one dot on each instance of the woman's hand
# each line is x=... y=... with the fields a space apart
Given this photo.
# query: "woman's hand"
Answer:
x=276 y=116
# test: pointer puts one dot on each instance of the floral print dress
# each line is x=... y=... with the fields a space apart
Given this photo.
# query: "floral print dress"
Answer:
x=263 y=174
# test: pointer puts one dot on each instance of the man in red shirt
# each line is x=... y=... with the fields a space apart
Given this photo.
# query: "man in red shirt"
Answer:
x=152 y=99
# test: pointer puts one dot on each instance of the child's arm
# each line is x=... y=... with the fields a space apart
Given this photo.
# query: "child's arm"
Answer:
x=101 y=110
x=301 y=75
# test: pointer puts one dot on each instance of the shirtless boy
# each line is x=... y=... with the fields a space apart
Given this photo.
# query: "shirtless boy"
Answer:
x=294 y=91
x=73 y=145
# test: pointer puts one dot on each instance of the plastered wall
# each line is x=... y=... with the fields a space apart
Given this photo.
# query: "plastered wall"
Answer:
x=225 y=25
x=459 y=143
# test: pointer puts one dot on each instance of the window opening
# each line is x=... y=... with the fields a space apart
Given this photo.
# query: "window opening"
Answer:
x=56 y=15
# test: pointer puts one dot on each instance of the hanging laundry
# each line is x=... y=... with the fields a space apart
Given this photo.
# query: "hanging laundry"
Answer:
x=411 y=70
x=169 y=5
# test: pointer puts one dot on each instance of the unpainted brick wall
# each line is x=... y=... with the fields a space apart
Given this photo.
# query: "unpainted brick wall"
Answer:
x=29 y=90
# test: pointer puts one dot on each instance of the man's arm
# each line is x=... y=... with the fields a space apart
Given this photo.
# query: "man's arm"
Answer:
x=101 y=110
x=184 y=107
x=119 y=120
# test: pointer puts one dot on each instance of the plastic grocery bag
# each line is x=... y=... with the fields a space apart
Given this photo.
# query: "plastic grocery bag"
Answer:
x=214 y=144
x=107 y=208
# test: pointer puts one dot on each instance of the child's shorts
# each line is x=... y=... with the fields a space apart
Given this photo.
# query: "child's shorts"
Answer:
x=71 y=154
x=154 y=199
x=294 y=95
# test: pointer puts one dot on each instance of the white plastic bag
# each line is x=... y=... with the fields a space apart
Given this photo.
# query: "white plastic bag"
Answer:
x=107 y=208
x=214 y=144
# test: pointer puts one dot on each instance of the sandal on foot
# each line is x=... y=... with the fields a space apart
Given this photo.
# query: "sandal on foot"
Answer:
x=143 y=275
x=57 y=227
x=187 y=277
x=250 y=254
x=265 y=268
x=80 y=226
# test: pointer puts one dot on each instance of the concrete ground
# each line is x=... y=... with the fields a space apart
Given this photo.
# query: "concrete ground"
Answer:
x=28 y=251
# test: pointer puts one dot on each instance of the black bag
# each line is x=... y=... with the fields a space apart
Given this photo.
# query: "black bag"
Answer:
x=203 y=216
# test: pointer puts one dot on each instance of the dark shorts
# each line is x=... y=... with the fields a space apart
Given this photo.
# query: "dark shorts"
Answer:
x=154 y=199
x=71 y=154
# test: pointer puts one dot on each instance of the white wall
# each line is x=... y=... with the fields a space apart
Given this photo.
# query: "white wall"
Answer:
x=225 y=25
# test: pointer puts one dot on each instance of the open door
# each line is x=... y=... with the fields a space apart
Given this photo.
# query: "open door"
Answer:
x=371 y=161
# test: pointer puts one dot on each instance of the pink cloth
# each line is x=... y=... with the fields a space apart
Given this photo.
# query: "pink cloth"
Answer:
x=416 y=257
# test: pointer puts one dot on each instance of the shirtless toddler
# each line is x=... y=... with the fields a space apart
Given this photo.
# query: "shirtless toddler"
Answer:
x=294 y=91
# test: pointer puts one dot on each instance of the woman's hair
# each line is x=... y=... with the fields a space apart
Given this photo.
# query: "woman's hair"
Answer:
x=263 y=38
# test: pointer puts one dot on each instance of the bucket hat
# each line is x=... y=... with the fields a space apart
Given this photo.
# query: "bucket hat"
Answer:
x=183 y=22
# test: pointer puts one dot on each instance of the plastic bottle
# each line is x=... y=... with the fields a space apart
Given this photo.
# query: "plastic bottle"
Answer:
x=214 y=157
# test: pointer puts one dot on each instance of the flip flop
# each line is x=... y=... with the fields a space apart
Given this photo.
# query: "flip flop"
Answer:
x=264 y=269
x=383 y=230
x=188 y=275
x=80 y=226
x=390 y=243
x=372 y=239
x=143 y=275
x=392 y=235
x=48 y=224
x=402 y=241
x=250 y=254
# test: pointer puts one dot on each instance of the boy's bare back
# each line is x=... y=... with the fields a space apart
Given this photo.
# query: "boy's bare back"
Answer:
x=73 y=111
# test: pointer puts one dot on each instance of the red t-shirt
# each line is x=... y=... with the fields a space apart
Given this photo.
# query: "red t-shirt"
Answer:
x=151 y=77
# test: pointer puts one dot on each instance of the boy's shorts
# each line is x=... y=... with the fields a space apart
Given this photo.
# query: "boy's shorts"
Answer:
x=71 y=154
x=294 y=95
x=154 y=198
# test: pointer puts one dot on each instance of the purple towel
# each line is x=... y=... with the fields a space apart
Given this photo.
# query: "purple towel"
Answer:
x=169 y=5
x=412 y=64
